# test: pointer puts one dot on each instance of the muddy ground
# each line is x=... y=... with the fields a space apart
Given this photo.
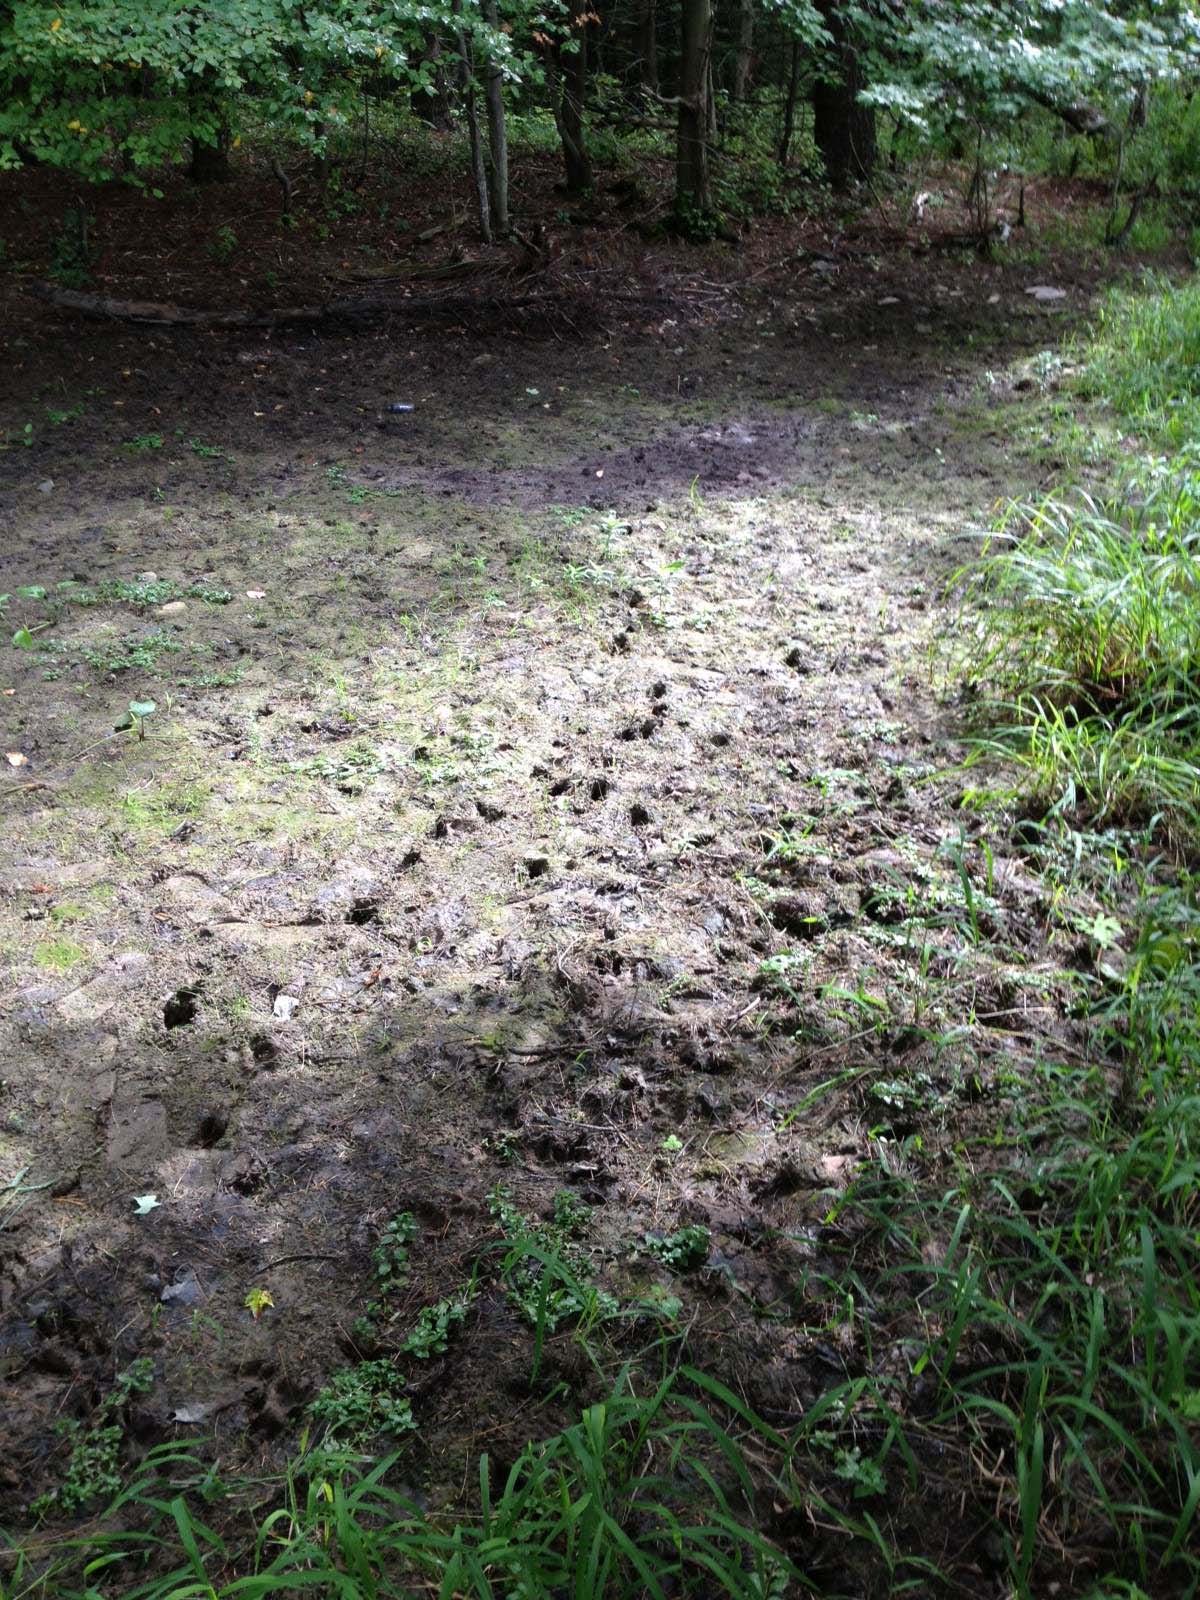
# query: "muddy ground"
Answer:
x=543 y=788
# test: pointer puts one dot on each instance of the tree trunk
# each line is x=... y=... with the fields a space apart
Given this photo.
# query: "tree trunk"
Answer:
x=789 y=107
x=497 y=132
x=210 y=158
x=432 y=108
x=569 y=93
x=693 y=191
x=843 y=128
x=478 y=167
x=647 y=47
x=744 y=59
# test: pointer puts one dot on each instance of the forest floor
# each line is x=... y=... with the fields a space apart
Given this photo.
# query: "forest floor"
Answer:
x=548 y=786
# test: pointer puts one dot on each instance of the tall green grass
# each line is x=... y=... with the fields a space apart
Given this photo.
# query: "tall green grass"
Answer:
x=1142 y=360
x=648 y=1495
x=1082 y=645
x=1063 y=1299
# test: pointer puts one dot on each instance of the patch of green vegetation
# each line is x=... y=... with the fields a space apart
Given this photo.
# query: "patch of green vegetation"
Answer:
x=682 y=1250
x=1141 y=361
x=93 y=1471
x=360 y=1403
x=545 y=1272
x=430 y=1333
x=390 y=1270
x=59 y=955
x=1083 y=638
x=350 y=769
x=163 y=809
x=646 y=1494
x=142 y=652
x=68 y=911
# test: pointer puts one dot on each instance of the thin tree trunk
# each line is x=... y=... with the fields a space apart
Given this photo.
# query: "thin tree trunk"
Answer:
x=693 y=191
x=433 y=108
x=569 y=94
x=789 y=107
x=647 y=47
x=497 y=131
x=744 y=59
x=478 y=167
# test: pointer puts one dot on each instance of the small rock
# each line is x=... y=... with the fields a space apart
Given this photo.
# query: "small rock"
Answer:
x=173 y=608
x=285 y=1006
x=46 y=486
x=193 y=1411
x=1044 y=291
x=147 y=577
x=185 y=1291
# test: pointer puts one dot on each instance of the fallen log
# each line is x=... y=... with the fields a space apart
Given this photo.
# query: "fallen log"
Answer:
x=106 y=307
x=491 y=309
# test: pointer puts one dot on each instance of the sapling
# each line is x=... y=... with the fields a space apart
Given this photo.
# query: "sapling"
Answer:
x=139 y=710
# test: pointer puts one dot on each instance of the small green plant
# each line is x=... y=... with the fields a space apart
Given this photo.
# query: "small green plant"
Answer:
x=144 y=442
x=362 y=1402
x=390 y=1271
x=430 y=1334
x=682 y=1250
x=139 y=710
x=23 y=436
x=93 y=1471
x=224 y=244
x=546 y=1274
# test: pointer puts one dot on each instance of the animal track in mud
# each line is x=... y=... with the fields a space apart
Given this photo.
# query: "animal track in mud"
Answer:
x=264 y=1051
x=181 y=1008
x=212 y=1126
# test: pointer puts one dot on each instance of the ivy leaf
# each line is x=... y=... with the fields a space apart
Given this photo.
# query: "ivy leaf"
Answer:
x=144 y=1204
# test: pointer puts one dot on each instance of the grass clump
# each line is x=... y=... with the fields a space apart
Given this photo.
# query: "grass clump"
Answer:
x=1143 y=360
x=647 y=1495
x=1084 y=646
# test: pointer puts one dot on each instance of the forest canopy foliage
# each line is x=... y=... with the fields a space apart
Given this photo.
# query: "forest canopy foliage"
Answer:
x=109 y=89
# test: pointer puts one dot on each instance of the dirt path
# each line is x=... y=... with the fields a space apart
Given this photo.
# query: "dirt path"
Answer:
x=544 y=788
